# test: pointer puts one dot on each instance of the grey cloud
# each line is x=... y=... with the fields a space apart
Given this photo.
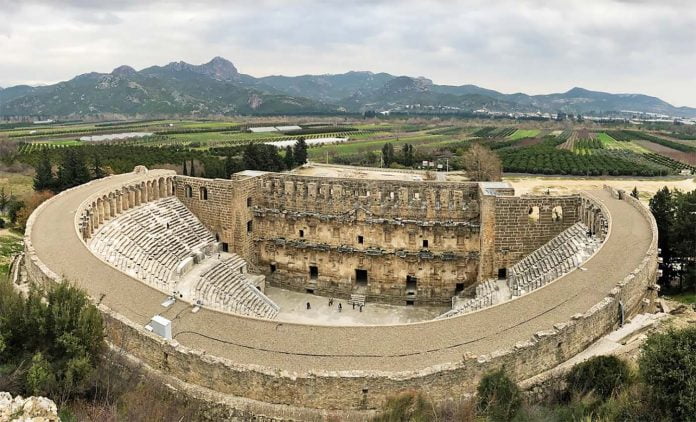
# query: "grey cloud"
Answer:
x=533 y=46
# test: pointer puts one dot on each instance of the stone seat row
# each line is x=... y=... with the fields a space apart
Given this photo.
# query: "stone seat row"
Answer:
x=149 y=241
x=486 y=294
x=557 y=257
x=225 y=286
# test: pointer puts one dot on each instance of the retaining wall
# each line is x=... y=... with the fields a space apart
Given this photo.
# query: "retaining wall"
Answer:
x=369 y=389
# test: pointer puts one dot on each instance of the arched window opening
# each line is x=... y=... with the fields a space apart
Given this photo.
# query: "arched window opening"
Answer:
x=533 y=214
x=204 y=193
x=557 y=214
x=189 y=191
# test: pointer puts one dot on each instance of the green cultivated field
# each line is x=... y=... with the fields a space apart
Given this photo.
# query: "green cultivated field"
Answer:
x=524 y=133
x=582 y=151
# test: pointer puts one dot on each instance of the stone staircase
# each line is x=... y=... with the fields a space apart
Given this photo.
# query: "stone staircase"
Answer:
x=357 y=299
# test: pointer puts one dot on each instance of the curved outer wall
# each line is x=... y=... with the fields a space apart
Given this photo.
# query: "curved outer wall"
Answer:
x=368 y=389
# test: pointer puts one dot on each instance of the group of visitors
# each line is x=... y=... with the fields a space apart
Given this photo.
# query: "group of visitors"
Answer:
x=340 y=305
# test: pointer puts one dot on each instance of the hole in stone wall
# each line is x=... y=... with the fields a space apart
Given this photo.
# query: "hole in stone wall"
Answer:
x=411 y=284
x=533 y=214
x=203 y=191
x=425 y=243
x=361 y=277
x=248 y=202
x=313 y=272
x=249 y=226
x=301 y=233
x=188 y=191
x=361 y=240
x=557 y=214
x=459 y=287
x=273 y=268
x=502 y=273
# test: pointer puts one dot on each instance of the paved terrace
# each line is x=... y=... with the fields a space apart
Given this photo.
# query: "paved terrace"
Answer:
x=306 y=348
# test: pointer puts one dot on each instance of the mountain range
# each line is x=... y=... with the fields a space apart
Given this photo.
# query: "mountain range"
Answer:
x=217 y=87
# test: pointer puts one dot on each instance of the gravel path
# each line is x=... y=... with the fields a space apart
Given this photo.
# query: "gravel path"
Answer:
x=304 y=348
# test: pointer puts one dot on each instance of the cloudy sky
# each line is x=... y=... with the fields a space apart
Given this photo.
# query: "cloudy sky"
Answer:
x=530 y=46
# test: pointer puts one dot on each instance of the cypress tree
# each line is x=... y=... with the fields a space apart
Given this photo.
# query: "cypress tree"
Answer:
x=98 y=170
x=388 y=154
x=289 y=158
x=44 y=179
x=81 y=171
x=185 y=171
x=300 y=152
x=192 y=169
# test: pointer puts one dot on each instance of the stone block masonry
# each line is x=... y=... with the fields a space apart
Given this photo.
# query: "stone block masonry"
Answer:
x=353 y=368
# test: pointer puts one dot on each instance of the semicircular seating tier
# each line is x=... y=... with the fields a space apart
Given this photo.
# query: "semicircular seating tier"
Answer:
x=159 y=241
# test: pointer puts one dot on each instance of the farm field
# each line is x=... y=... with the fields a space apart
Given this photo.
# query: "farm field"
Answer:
x=684 y=157
x=533 y=148
x=610 y=143
x=524 y=133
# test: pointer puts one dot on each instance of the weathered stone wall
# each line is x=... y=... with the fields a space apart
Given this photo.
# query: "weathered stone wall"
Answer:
x=393 y=230
x=223 y=207
x=390 y=250
x=389 y=199
x=523 y=224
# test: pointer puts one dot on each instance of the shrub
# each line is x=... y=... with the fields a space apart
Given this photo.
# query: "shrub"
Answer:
x=2 y=223
x=605 y=375
x=407 y=406
x=499 y=396
x=57 y=331
x=668 y=368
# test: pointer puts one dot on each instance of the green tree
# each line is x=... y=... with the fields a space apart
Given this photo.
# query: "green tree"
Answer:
x=44 y=179
x=668 y=369
x=185 y=171
x=683 y=236
x=300 y=152
x=98 y=169
x=192 y=169
x=73 y=170
x=262 y=157
x=231 y=166
x=388 y=154
x=662 y=207
x=407 y=155
x=289 y=158
x=13 y=207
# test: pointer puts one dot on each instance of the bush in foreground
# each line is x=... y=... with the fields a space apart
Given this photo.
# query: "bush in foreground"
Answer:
x=498 y=396
x=407 y=406
x=50 y=341
x=668 y=369
x=605 y=375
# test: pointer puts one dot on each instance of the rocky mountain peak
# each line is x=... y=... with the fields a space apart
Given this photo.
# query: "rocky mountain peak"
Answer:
x=123 y=70
x=220 y=68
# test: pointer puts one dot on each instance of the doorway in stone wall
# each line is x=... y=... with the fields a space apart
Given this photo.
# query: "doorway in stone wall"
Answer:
x=360 y=278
